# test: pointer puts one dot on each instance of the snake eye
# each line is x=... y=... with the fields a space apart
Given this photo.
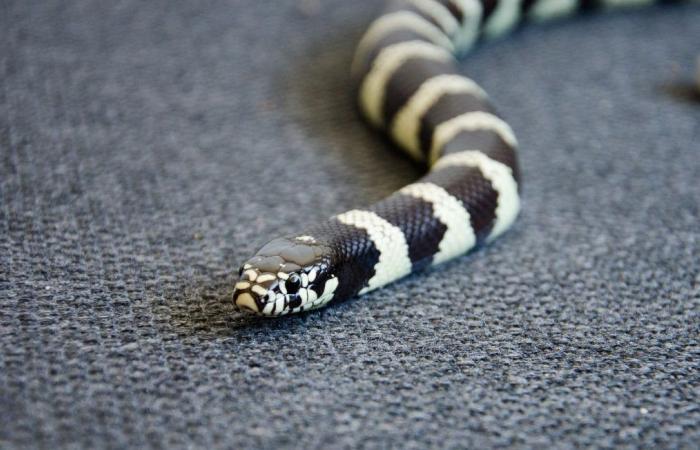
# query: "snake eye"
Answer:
x=293 y=283
x=240 y=272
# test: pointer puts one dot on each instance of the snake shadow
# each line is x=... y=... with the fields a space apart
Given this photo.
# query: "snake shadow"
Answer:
x=321 y=101
x=681 y=91
x=202 y=309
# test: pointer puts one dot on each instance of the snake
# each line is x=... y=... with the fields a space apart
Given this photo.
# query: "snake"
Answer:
x=409 y=87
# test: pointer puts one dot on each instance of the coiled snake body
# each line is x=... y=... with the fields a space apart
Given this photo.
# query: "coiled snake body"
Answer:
x=410 y=88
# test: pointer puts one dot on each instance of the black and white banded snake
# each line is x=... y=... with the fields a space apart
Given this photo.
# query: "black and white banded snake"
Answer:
x=410 y=88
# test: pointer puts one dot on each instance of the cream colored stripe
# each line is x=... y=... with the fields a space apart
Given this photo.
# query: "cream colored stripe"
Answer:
x=373 y=87
x=472 y=121
x=552 y=9
x=459 y=236
x=388 y=239
x=406 y=125
x=472 y=10
x=439 y=13
x=503 y=19
x=396 y=21
x=501 y=178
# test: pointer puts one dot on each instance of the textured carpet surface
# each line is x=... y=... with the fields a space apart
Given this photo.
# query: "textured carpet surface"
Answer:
x=148 y=147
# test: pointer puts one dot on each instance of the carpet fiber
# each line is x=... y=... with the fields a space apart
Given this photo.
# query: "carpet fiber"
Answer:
x=147 y=148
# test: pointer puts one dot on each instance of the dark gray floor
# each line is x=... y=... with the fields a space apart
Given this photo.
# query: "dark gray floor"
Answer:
x=148 y=147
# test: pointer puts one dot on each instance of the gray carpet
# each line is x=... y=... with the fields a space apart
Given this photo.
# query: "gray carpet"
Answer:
x=148 y=147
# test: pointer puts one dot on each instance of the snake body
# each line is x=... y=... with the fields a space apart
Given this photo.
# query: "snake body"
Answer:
x=410 y=88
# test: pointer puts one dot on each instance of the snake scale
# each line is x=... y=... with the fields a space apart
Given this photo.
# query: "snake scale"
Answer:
x=409 y=87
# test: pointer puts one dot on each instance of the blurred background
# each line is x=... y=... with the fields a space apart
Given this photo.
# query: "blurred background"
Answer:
x=147 y=148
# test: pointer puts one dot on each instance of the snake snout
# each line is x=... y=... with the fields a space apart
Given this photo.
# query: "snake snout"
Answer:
x=252 y=291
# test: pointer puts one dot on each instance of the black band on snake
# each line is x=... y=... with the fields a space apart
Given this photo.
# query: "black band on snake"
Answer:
x=410 y=88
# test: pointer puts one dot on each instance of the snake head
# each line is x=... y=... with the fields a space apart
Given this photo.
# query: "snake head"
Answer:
x=287 y=275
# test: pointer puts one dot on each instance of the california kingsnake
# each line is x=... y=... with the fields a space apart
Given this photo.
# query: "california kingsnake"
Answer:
x=409 y=87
